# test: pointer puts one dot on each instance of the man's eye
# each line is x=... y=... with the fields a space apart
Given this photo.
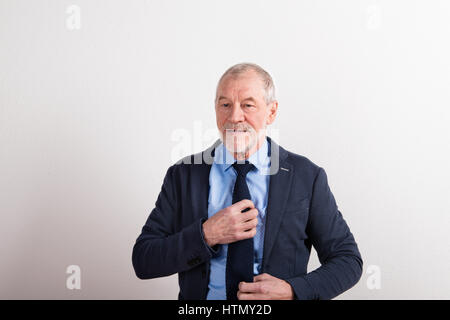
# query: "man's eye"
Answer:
x=248 y=105
x=225 y=105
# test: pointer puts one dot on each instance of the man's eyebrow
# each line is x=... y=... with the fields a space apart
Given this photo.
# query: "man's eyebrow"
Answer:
x=250 y=99
x=246 y=99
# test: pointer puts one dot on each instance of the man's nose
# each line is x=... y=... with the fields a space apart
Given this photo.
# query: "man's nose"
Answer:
x=237 y=114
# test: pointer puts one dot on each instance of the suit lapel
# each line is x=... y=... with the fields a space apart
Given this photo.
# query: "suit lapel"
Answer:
x=202 y=166
x=279 y=187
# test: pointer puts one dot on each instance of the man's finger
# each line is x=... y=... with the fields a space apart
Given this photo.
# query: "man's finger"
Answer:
x=261 y=277
x=247 y=234
x=249 y=287
x=243 y=204
x=250 y=224
x=250 y=214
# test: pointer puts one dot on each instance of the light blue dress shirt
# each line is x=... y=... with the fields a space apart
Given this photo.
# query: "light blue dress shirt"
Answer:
x=221 y=182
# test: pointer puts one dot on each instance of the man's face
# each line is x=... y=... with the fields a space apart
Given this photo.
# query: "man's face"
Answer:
x=242 y=114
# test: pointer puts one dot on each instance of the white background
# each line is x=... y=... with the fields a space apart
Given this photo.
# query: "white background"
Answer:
x=90 y=117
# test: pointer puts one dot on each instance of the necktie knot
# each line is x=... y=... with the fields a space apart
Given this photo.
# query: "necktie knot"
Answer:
x=243 y=168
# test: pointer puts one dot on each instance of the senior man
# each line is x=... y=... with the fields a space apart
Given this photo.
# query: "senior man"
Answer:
x=238 y=220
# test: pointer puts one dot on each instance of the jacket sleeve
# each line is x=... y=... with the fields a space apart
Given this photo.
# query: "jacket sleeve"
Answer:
x=341 y=262
x=161 y=250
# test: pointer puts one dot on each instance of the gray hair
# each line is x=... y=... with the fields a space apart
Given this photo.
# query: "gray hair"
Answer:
x=241 y=68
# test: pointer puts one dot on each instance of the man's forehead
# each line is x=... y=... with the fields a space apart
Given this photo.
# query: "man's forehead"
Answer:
x=242 y=87
x=244 y=95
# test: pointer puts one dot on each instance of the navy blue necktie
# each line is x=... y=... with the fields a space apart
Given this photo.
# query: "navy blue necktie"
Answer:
x=240 y=253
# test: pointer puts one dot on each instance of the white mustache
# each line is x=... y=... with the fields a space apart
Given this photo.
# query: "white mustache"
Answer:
x=239 y=128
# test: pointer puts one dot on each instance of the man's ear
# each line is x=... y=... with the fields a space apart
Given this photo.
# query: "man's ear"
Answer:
x=273 y=107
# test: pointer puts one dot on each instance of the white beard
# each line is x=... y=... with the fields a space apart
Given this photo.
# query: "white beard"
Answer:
x=240 y=143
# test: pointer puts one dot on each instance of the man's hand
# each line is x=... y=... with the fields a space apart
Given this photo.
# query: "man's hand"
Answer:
x=231 y=224
x=265 y=287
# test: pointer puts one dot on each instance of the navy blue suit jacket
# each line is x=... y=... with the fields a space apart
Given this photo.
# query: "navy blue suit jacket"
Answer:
x=301 y=212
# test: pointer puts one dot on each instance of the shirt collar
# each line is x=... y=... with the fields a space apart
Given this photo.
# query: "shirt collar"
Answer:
x=260 y=159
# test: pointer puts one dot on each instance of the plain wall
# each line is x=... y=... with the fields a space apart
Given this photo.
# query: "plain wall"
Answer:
x=91 y=118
